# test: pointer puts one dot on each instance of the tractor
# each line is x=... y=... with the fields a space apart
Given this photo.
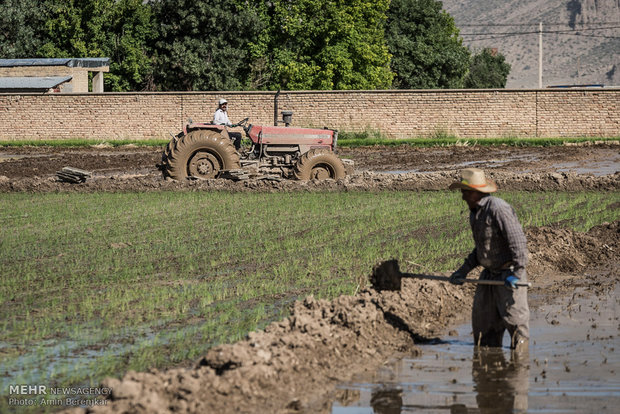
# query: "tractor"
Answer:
x=205 y=151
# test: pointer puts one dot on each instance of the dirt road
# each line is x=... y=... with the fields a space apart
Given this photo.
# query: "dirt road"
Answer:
x=131 y=168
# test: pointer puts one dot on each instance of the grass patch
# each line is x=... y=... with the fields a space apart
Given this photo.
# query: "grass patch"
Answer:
x=95 y=284
x=84 y=143
x=346 y=139
x=440 y=140
x=442 y=137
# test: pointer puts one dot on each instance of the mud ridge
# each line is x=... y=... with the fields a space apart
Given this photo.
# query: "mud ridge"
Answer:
x=561 y=259
x=294 y=364
x=360 y=181
x=130 y=168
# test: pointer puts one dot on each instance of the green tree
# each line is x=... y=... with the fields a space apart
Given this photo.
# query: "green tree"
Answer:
x=118 y=29
x=425 y=46
x=488 y=69
x=327 y=44
x=21 y=28
x=205 y=44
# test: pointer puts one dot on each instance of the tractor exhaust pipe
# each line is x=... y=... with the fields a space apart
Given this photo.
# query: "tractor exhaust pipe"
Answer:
x=287 y=116
x=275 y=108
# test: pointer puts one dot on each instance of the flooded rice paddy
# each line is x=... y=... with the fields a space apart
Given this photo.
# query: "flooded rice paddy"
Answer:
x=572 y=366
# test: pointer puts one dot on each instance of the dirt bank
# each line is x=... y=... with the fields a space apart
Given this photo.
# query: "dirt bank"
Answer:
x=358 y=181
x=294 y=364
x=131 y=168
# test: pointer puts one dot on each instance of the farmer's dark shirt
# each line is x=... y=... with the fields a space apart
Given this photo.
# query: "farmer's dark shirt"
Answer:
x=498 y=238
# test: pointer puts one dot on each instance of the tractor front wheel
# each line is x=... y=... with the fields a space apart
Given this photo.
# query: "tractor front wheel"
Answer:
x=200 y=154
x=319 y=164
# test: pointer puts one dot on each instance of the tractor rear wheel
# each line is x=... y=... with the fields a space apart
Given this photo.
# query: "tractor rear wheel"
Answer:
x=319 y=164
x=167 y=151
x=200 y=154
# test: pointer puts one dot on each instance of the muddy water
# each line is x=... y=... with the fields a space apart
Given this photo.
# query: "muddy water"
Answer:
x=597 y=168
x=573 y=366
x=606 y=167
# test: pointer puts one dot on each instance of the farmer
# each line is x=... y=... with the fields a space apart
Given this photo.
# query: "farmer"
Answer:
x=220 y=117
x=499 y=247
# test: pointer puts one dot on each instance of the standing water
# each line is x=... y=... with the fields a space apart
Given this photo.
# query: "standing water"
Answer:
x=572 y=366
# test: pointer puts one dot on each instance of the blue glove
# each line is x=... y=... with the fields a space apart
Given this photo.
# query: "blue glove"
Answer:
x=457 y=278
x=511 y=281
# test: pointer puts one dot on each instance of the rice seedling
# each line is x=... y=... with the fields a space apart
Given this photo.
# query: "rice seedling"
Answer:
x=95 y=284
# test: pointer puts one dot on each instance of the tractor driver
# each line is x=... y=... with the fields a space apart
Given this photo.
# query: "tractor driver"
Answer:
x=220 y=117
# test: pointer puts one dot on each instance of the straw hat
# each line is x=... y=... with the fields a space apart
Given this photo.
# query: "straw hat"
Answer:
x=473 y=179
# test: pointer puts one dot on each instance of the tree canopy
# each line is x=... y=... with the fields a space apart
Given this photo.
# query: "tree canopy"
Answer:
x=489 y=69
x=328 y=44
x=426 y=49
x=21 y=24
x=204 y=44
x=118 y=29
x=251 y=45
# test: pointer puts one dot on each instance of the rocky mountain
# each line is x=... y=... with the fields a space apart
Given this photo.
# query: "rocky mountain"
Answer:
x=581 y=38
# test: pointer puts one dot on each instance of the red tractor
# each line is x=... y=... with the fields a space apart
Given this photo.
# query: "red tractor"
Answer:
x=203 y=151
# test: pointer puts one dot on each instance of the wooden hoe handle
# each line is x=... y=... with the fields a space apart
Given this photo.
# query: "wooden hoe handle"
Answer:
x=476 y=281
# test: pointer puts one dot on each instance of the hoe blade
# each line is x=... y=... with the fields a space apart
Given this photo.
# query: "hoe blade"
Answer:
x=386 y=276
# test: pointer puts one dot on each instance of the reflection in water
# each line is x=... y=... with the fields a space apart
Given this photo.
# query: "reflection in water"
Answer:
x=500 y=385
x=387 y=401
x=348 y=397
x=574 y=368
x=497 y=383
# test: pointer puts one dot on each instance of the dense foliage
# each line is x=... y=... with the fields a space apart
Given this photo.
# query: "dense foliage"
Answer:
x=328 y=44
x=21 y=23
x=118 y=29
x=489 y=69
x=204 y=44
x=425 y=47
x=250 y=45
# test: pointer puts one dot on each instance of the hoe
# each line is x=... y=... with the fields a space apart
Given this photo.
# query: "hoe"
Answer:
x=387 y=276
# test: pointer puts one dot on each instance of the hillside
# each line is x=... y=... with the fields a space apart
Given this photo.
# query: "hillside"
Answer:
x=583 y=53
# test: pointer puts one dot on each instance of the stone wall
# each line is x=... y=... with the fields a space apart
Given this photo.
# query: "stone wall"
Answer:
x=398 y=114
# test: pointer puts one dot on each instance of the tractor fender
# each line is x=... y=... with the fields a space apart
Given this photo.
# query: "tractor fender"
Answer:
x=204 y=126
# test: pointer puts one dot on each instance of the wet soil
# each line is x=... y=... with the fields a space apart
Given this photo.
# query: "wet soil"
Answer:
x=571 y=367
x=132 y=168
x=296 y=365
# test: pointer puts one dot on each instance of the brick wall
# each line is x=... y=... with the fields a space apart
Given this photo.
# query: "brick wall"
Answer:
x=399 y=114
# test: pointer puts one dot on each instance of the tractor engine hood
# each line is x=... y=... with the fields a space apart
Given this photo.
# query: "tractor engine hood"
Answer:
x=291 y=136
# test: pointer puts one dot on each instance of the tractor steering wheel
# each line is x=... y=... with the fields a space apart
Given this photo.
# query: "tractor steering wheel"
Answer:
x=242 y=122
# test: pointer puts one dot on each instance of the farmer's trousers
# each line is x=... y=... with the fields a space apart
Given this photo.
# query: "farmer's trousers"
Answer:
x=497 y=308
x=236 y=138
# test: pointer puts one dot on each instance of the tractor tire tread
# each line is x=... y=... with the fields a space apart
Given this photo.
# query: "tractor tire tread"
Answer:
x=178 y=154
x=303 y=167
